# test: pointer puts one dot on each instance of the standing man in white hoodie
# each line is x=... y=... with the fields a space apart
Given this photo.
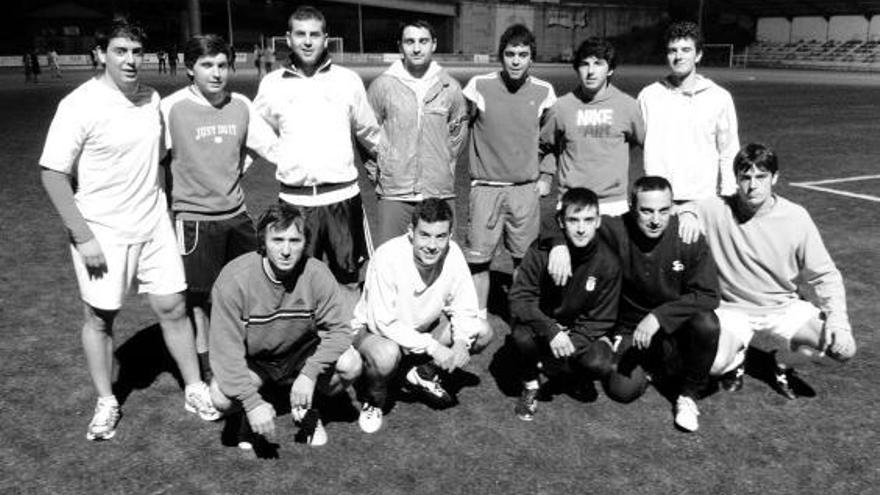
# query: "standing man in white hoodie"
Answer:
x=691 y=135
x=318 y=110
x=423 y=115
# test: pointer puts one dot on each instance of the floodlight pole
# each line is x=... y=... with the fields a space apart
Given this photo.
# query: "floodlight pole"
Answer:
x=195 y=17
x=360 y=28
x=229 y=21
x=700 y=14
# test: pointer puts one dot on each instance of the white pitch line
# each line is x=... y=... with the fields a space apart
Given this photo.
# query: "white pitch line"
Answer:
x=837 y=191
x=835 y=181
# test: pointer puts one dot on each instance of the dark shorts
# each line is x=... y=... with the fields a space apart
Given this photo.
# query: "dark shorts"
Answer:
x=206 y=247
x=337 y=237
x=396 y=216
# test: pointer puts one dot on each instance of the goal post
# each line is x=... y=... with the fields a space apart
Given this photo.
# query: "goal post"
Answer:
x=279 y=45
x=717 y=55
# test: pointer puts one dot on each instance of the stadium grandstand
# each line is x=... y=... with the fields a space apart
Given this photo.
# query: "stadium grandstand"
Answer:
x=817 y=34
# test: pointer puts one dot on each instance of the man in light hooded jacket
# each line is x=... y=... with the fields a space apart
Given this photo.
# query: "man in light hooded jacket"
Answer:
x=691 y=126
x=423 y=114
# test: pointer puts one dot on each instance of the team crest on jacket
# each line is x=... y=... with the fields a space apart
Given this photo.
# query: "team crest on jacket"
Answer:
x=677 y=266
x=591 y=284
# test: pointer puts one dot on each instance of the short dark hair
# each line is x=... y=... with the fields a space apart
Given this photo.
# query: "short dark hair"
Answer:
x=417 y=23
x=648 y=183
x=280 y=216
x=208 y=45
x=307 y=13
x=682 y=30
x=579 y=198
x=755 y=155
x=518 y=34
x=120 y=27
x=595 y=47
x=432 y=210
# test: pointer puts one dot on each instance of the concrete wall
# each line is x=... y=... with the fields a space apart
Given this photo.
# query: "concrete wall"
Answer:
x=557 y=28
x=477 y=27
x=773 y=29
x=848 y=27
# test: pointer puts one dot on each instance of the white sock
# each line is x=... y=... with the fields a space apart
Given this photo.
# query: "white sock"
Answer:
x=193 y=386
x=482 y=313
x=531 y=385
x=109 y=400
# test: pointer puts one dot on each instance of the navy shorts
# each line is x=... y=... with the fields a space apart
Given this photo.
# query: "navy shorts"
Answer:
x=207 y=245
x=337 y=237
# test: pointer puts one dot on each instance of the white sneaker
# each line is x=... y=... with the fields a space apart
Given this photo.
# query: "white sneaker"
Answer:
x=319 y=435
x=370 y=419
x=686 y=413
x=197 y=399
x=103 y=424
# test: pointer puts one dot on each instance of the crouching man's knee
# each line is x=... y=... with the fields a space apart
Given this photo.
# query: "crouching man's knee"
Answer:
x=349 y=366
x=221 y=401
x=381 y=356
x=843 y=347
x=625 y=388
x=597 y=361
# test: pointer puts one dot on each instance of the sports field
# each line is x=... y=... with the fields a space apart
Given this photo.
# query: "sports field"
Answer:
x=824 y=126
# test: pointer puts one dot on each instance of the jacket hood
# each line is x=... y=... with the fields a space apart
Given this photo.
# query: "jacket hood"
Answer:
x=398 y=71
x=700 y=84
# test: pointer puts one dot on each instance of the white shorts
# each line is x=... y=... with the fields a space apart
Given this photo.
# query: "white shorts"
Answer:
x=153 y=267
x=781 y=325
x=613 y=208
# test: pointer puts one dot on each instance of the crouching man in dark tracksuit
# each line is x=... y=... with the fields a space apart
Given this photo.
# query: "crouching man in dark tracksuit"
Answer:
x=568 y=326
x=668 y=298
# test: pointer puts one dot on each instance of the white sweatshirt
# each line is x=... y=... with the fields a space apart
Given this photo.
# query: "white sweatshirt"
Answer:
x=397 y=304
x=692 y=138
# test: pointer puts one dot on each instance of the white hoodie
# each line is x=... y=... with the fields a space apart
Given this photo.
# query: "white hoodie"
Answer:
x=692 y=137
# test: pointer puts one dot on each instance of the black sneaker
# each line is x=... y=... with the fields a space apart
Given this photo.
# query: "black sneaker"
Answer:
x=428 y=389
x=732 y=381
x=527 y=404
x=783 y=380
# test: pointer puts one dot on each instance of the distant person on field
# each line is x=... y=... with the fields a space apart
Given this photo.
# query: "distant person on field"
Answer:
x=31 y=66
x=93 y=57
x=321 y=113
x=590 y=130
x=422 y=113
x=506 y=109
x=278 y=321
x=105 y=139
x=52 y=61
x=268 y=58
x=172 y=61
x=691 y=123
x=212 y=136
x=770 y=255
x=162 y=59
x=418 y=313
x=258 y=62
x=570 y=327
